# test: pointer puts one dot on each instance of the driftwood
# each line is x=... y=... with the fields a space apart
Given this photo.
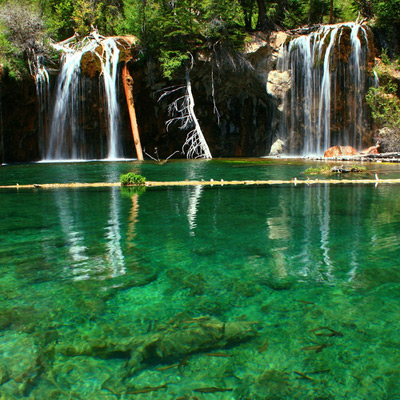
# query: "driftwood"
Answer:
x=392 y=155
x=304 y=30
x=343 y=170
x=211 y=182
x=128 y=87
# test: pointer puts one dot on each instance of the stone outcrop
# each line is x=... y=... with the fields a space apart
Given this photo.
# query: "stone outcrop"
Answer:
x=239 y=107
x=337 y=151
x=278 y=84
x=277 y=148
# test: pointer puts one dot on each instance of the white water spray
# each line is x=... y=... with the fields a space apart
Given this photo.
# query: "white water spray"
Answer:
x=43 y=92
x=324 y=106
x=110 y=68
x=67 y=139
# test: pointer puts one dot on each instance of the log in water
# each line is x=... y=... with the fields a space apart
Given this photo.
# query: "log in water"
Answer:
x=207 y=183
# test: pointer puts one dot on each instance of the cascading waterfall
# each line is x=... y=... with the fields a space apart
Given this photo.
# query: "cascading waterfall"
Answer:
x=325 y=104
x=65 y=131
x=43 y=92
x=66 y=134
x=110 y=85
x=1 y=129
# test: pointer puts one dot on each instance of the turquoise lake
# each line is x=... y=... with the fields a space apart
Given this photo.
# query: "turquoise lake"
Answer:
x=267 y=292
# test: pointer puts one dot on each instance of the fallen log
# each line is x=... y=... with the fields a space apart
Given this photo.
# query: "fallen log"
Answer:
x=382 y=155
x=294 y=181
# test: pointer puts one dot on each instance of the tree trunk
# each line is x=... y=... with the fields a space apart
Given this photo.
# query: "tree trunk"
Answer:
x=197 y=129
x=247 y=7
x=262 y=23
x=128 y=85
x=331 y=13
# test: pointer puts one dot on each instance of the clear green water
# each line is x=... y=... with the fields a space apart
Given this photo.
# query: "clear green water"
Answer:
x=231 y=287
x=227 y=169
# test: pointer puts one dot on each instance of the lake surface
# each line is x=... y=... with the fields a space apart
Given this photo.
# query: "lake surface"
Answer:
x=269 y=292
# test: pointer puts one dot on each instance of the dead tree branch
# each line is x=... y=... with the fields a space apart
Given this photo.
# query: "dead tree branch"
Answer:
x=182 y=112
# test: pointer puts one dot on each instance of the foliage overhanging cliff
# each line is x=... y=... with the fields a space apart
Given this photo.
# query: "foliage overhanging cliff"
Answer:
x=168 y=30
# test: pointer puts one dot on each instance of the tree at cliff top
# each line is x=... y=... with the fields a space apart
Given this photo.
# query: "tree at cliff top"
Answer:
x=22 y=38
x=384 y=17
x=169 y=31
x=385 y=12
x=310 y=12
x=69 y=16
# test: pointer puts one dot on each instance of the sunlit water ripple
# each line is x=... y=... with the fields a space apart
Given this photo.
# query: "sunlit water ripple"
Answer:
x=285 y=292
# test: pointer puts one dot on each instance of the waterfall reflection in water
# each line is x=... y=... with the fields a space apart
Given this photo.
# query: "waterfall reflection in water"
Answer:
x=81 y=263
x=115 y=256
x=291 y=258
x=78 y=265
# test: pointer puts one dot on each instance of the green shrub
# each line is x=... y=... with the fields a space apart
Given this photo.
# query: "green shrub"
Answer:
x=132 y=179
x=329 y=170
x=325 y=169
x=385 y=105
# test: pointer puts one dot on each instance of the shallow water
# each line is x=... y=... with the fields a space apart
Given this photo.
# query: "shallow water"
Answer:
x=217 y=169
x=275 y=292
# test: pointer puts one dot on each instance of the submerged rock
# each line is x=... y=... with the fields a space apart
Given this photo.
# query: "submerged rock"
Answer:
x=175 y=340
x=19 y=364
x=187 y=337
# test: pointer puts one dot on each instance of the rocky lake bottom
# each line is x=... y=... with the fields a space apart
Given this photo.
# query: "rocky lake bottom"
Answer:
x=270 y=292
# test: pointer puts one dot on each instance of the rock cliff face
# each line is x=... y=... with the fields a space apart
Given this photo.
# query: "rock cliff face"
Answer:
x=321 y=81
x=18 y=123
x=235 y=110
x=239 y=101
x=232 y=104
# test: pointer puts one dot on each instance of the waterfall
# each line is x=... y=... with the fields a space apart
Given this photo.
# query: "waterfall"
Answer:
x=66 y=132
x=2 y=160
x=110 y=85
x=325 y=104
x=43 y=94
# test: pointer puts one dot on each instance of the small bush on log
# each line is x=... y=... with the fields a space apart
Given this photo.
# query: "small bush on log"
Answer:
x=132 y=179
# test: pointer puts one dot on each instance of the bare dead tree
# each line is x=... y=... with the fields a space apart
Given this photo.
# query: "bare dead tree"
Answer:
x=182 y=112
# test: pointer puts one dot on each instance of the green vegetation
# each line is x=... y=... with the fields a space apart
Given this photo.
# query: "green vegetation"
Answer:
x=130 y=191
x=170 y=30
x=132 y=179
x=328 y=170
x=384 y=103
x=324 y=170
x=22 y=38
